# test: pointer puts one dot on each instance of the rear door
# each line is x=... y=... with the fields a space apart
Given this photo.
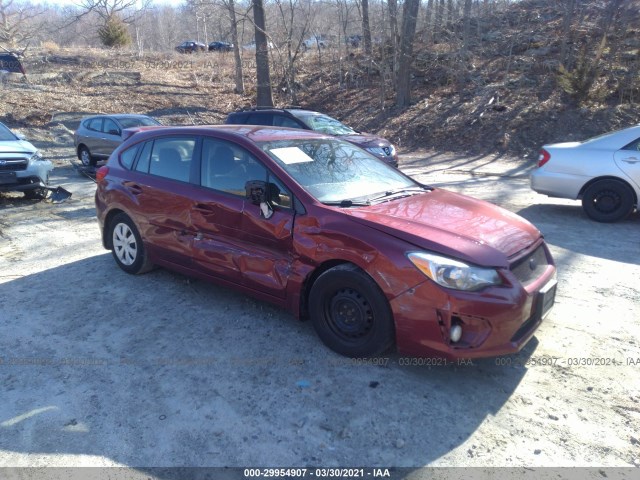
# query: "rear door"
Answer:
x=111 y=136
x=160 y=185
x=232 y=240
x=628 y=160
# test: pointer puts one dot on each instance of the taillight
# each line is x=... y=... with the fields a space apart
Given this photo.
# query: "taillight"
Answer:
x=543 y=157
x=101 y=173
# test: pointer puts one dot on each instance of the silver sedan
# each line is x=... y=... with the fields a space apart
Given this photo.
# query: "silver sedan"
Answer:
x=603 y=171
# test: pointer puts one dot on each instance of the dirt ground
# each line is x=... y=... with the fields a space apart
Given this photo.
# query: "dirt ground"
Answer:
x=100 y=368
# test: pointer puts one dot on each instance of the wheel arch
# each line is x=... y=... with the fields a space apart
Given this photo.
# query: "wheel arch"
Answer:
x=609 y=177
x=313 y=276
x=106 y=238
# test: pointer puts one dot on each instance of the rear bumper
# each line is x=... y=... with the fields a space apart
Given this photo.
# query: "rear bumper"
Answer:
x=561 y=185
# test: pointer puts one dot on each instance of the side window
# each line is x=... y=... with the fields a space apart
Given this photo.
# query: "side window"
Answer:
x=227 y=167
x=171 y=158
x=145 y=158
x=128 y=156
x=260 y=119
x=110 y=127
x=280 y=195
x=95 y=124
x=635 y=145
x=282 y=121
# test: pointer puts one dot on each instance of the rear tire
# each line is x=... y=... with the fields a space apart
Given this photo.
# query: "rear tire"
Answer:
x=85 y=157
x=350 y=313
x=127 y=247
x=608 y=201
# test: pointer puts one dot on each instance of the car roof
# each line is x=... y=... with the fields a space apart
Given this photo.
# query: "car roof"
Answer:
x=275 y=109
x=117 y=115
x=253 y=133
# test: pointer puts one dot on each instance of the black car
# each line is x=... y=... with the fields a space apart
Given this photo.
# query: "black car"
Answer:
x=10 y=62
x=220 y=47
x=310 y=120
x=191 y=46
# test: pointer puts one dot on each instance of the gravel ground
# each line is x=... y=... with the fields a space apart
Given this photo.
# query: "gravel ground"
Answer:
x=102 y=368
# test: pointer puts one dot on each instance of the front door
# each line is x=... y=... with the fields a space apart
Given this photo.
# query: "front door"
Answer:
x=628 y=160
x=232 y=241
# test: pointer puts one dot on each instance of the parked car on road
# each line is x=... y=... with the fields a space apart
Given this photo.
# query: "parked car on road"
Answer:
x=22 y=168
x=220 y=47
x=310 y=120
x=326 y=230
x=99 y=135
x=191 y=46
x=603 y=171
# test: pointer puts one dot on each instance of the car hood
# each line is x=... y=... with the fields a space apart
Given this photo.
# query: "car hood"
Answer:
x=16 y=146
x=366 y=140
x=451 y=224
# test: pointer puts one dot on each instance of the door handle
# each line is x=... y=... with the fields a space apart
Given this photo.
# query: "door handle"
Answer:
x=134 y=188
x=204 y=208
x=631 y=160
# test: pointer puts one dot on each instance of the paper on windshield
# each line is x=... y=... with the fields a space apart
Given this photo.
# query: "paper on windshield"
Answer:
x=291 y=155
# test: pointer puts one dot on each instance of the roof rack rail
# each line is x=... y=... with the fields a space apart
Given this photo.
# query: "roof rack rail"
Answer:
x=254 y=108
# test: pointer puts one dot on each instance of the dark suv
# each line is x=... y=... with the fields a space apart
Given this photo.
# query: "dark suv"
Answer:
x=309 y=120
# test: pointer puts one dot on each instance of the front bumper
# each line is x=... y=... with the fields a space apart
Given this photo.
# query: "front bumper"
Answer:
x=495 y=321
x=36 y=175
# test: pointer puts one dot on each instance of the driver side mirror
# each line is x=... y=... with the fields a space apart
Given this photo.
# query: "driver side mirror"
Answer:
x=257 y=192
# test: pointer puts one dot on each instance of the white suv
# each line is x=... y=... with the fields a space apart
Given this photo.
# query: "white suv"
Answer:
x=22 y=168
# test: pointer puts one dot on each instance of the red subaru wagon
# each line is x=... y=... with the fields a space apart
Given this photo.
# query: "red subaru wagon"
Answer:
x=327 y=231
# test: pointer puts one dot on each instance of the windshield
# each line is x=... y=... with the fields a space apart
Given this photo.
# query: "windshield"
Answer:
x=335 y=171
x=324 y=124
x=5 y=134
x=130 y=122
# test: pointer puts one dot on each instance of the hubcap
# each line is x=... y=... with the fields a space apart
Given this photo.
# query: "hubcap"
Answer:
x=124 y=244
x=349 y=314
x=606 y=201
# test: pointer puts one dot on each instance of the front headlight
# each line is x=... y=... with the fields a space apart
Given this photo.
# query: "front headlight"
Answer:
x=452 y=273
x=36 y=157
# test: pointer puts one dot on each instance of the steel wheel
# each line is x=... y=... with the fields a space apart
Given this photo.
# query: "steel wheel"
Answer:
x=350 y=313
x=608 y=201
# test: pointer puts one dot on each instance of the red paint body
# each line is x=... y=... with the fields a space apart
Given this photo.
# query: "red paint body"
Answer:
x=220 y=237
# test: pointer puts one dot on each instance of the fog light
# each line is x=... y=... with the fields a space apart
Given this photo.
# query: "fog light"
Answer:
x=455 y=334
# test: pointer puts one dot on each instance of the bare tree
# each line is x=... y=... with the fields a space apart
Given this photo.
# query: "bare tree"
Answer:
x=366 y=29
x=264 y=95
x=19 y=23
x=127 y=10
x=237 y=59
x=409 y=20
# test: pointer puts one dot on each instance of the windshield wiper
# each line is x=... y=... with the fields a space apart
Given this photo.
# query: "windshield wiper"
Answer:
x=401 y=192
x=348 y=203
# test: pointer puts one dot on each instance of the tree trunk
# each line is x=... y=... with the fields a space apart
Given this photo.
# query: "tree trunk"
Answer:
x=466 y=33
x=236 y=48
x=395 y=41
x=428 y=22
x=437 y=25
x=566 y=31
x=409 y=19
x=366 y=29
x=264 y=97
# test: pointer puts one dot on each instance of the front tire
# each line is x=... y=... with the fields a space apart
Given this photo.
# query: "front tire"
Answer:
x=126 y=246
x=608 y=201
x=350 y=313
x=35 y=194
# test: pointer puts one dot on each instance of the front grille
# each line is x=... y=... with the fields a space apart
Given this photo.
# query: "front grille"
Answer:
x=13 y=164
x=531 y=267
